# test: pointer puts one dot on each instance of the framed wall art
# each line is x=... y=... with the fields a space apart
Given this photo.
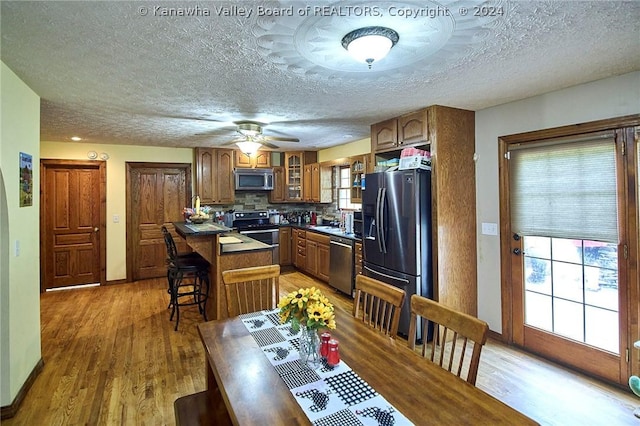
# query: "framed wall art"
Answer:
x=26 y=180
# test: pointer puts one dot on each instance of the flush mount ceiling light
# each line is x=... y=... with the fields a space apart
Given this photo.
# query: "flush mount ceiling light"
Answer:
x=249 y=147
x=370 y=44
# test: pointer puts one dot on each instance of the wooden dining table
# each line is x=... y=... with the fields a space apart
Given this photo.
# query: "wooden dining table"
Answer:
x=240 y=375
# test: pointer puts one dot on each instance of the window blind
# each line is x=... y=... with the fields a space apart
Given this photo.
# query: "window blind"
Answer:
x=565 y=188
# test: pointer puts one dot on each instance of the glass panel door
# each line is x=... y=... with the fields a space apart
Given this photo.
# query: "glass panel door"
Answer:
x=571 y=289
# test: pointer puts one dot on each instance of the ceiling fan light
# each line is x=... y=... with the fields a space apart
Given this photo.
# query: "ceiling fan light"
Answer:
x=370 y=44
x=249 y=129
x=248 y=147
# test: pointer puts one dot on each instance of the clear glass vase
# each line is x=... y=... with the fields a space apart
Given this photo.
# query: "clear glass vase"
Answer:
x=309 y=347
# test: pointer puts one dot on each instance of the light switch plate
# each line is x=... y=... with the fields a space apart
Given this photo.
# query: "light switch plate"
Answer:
x=116 y=218
x=489 y=228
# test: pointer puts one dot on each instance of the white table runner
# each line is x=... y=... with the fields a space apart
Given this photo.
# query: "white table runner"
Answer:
x=329 y=396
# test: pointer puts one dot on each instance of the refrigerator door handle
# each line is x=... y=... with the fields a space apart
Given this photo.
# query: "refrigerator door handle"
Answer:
x=383 y=240
x=378 y=223
x=387 y=276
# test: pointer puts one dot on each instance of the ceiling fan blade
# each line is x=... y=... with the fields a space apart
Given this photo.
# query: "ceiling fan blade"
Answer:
x=270 y=145
x=281 y=139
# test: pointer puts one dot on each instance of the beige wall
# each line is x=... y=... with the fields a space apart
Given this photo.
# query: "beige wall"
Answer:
x=20 y=348
x=612 y=97
x=362 y=146
x=116 y=181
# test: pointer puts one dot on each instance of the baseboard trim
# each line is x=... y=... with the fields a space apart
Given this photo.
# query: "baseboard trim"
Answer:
x=11 y=410
x=116 y=282
x=495 y=335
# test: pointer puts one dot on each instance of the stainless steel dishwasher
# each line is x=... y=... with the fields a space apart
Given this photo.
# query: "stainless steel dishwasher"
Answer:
x=341 y=264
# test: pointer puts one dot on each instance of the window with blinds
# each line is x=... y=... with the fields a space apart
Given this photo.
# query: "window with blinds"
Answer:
x=565 y=188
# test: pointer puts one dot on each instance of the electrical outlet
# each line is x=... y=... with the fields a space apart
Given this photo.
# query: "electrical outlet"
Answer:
x=17 y=248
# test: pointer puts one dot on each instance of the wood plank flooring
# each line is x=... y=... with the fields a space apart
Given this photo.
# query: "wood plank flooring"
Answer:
x=112 y=358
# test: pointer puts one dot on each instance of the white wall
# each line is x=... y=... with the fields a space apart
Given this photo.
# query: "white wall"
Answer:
x=20 y=348
x=608 y=98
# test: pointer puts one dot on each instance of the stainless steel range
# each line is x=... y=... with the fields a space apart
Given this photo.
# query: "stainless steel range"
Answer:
x=255 y=224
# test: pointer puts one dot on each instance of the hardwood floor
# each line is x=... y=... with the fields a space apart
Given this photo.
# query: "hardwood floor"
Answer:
x=112 y=358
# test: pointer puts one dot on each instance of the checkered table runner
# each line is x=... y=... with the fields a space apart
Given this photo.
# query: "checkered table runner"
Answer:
x=329 y=396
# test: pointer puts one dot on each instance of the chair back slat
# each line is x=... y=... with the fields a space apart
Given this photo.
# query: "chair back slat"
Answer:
x=378 y=304
x=251 y=289
x=172 y=251
x=452 y=337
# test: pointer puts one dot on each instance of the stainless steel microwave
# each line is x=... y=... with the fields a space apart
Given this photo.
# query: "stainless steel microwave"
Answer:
x=254 y=179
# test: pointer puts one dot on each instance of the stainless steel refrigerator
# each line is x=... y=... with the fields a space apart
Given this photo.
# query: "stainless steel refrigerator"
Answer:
x=396 y=210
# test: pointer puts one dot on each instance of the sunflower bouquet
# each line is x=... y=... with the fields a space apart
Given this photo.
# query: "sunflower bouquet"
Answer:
x=308 y=307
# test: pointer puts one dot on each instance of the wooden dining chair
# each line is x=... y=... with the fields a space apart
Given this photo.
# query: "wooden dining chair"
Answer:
x=251 y=289
x=452 y=331
x=378 y=304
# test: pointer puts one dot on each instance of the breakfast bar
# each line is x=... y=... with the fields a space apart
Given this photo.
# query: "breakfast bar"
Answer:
x=224 y=250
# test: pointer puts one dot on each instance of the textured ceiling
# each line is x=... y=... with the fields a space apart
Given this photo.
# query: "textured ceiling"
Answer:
x=121 y=72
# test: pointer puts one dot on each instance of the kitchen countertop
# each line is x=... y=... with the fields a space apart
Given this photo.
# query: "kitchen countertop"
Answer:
x=200 y=229
x=245 y=244
x=323 y=229
x=242 y=242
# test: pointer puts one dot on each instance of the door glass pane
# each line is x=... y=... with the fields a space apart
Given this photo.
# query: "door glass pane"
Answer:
x=569 y=319
x=602 y=328
x=537 y=264
x=571 y=289
x=567 y=281
x=538 y=311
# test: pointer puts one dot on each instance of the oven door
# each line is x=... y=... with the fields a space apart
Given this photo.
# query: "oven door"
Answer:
x=267 y=236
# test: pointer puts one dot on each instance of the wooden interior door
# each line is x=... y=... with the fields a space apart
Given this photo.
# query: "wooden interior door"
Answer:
x=73 y=223
x=156 y=195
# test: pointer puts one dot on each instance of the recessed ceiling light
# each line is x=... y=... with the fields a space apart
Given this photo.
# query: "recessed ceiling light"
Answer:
x=76 y=138
x=347 y=136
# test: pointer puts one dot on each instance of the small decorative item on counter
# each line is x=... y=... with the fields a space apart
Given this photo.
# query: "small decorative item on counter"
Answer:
x=191 y=216
x=333 y=357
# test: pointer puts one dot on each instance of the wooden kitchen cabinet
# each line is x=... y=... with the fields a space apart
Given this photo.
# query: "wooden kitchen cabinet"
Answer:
x=413 y=128
x=311 y=265
x=277 y=194
x=317 y=183
x=307 y=194
x=396 y=133
x=300 y=248
x=358 y=258
x=323 y=261
x=259 y=159
x=285 y=246
x=214 y=175
x=450 y=136
x=293 y=176
x=357 y=168
x=384 y=135
x=295 y=163
x=317 y=259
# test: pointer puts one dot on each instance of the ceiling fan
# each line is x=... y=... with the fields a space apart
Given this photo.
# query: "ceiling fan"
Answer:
x=251 y=138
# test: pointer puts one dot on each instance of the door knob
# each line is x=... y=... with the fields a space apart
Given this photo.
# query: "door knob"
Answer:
x=516 y=251
x=96 y=229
